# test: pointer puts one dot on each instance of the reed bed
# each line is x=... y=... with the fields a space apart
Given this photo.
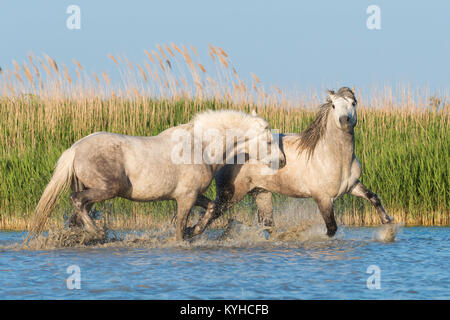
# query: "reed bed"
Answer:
x=402 y=138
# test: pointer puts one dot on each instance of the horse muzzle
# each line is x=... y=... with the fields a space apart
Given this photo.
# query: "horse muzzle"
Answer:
x=275 y=163
x=347 y=123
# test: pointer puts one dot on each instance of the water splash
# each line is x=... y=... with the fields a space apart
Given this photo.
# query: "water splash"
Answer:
x=71 y=237
x=297 y=222
x=387 y=232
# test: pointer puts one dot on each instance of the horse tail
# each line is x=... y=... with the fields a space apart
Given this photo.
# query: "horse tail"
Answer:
x=60 y=182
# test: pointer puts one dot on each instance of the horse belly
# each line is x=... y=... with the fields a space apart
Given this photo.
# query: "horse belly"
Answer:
x=152 y=183
x=151 y=191
x=285 y=182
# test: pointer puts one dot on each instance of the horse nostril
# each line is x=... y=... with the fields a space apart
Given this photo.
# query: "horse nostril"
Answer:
x=344 y=119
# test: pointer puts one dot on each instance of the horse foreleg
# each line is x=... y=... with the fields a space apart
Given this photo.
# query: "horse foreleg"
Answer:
x=184 y=207
x=201 y=201
x=205 y=220
x=361 y=191
x=263 y=201
x=327 y=212
x=214 y=209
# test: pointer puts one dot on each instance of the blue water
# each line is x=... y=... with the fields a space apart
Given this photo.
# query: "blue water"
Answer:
x=414 y=266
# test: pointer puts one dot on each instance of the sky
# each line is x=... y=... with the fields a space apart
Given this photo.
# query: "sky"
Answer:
x=292 y=44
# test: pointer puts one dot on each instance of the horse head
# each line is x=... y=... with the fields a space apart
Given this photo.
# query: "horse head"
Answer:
x=344 y=108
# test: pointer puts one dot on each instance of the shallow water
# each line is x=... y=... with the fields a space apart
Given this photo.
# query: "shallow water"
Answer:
x=413 y=266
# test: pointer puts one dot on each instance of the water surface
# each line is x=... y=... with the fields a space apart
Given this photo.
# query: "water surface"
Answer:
x=414 y=266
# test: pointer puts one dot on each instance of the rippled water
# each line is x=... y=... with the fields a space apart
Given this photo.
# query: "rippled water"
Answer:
x=414 y=266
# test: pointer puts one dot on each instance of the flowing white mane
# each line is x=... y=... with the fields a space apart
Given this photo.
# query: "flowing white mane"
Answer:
x=226 y=119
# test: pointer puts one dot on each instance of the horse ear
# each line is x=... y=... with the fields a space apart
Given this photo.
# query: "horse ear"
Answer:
x=254 y=113
x=331 y=95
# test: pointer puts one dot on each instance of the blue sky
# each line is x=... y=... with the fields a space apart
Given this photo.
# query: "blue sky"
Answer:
x=293 y=44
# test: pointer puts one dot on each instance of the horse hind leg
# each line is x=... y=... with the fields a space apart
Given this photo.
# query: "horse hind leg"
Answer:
x=84 y=200
x=75 y=219
x=103 y=175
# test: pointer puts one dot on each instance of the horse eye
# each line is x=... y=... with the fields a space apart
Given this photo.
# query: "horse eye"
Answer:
x=332 y=106
x=354 y=103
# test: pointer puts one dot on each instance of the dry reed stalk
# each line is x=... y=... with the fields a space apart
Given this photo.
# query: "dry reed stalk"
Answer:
x=78 y=64
x=66 y=74
x=195 y=51
x=149 y=69
x=211 y=54
x=256 y=78
x=177 y=48
x=106 y=77
x=223 y=61
x=17 y=75
x=78 y=75
x=129 y=63
x=47 y=70
x=52 y=63
x=202 y=67
x=96 y=79
x=169 y=50
x=162 y=52
x=223 y=52
x=149 y=56
x=161 y=64
x=144 y=75
x=16 y=66
x=27 y=72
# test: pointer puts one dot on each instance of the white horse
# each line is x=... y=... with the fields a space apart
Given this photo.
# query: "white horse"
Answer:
x=320 y=164
x=178 y=164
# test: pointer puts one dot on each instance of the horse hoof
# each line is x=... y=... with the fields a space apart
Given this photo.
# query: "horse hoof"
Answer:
x=388 y=219
x=95 y=215
x=268 y=229
x=331 y=232
x=265 y=233
x=188 y=233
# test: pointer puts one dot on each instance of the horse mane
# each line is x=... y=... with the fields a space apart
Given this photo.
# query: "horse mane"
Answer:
x=308 y=139
x=227 y=118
